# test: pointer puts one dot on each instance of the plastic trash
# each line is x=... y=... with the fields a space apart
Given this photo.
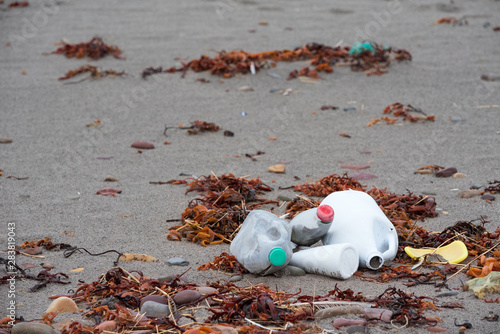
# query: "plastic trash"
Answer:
x=337 y=261
x=263 y=244
x=455 y=252
x=310 y=226
x=360 y=222
x=360 y=47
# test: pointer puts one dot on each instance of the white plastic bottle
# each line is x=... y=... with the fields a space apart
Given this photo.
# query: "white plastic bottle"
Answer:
x=337 y=261
x=310 y=226
x=360 y=222
x=263 y=244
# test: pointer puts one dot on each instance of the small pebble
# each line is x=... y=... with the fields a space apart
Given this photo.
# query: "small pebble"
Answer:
x=167 y=278
x=177 y=261
x=48 y=265
x=4 y=140
x=279 y=169
x=110 y=179
x=109 y=326
x=488 y=196
x=154 y=298
x=236 y=278
x=245 y=89
x=459 y=175
x=32 y=251
x=206 y=290
x=155 y=310
x=469 y=193
x=356 y=329
x=430 y=193
x=142 y=145
x=108 y=192
x=32 y=328
x=476 y=186
x=243 y=113
x=447 y=172
x=284 y=198
x=457 y=119
x=276 y=90
x=447 y=294
x=349 y=109
x=62 y=305
x=263 y=22
x=186 y=297
x=343 y=322
x=379 y=314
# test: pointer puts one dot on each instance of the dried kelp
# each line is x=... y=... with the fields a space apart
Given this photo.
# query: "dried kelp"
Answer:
x=494 y=187
x=322 y=57
x=225 y=263
x=403 y=112
x=216 y=216
x=94 y=72
x=45 y=243
x=115 y=295
x=436 y=277
x=94 y=49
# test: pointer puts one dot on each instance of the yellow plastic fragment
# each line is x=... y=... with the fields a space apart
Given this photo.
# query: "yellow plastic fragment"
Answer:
x=455 y=252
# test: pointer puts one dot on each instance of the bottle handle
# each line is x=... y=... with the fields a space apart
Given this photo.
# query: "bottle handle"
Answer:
x=392 y=250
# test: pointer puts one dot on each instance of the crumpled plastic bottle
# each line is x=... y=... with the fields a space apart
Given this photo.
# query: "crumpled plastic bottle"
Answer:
x=359 y=221
x=263 y=244
x=310 y=226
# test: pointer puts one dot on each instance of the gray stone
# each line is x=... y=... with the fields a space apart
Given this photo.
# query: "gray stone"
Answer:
x=476 y=186
x=447 y=172
x=177 y=261
x=154 y=298
x=167 y=278
x=186 y=297
x=32 y=328
x=155 y=310
x=236 y=278
x=356 y=329
x=488 y=196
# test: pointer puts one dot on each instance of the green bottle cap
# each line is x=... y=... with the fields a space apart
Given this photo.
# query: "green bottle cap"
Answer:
x=277 y=256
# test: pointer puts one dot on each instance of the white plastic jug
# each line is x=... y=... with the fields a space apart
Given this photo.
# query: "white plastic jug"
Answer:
x=337 y=261
x=310 y=226
x=263 y=244
x=360 y=222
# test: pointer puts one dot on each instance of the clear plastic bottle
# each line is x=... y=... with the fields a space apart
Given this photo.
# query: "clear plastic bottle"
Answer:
x=263 y=244
x=310 y=226
x=360 y=222
x=337 y=261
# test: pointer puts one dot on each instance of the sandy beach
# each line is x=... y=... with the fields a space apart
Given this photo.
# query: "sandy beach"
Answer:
x=67 y=136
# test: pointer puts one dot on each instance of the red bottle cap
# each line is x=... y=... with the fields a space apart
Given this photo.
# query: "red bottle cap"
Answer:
x=325 y=213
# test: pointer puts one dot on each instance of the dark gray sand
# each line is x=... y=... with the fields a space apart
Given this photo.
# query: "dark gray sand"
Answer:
x=53 y=148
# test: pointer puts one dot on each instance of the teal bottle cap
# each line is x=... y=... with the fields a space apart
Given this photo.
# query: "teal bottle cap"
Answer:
x=277 y=256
